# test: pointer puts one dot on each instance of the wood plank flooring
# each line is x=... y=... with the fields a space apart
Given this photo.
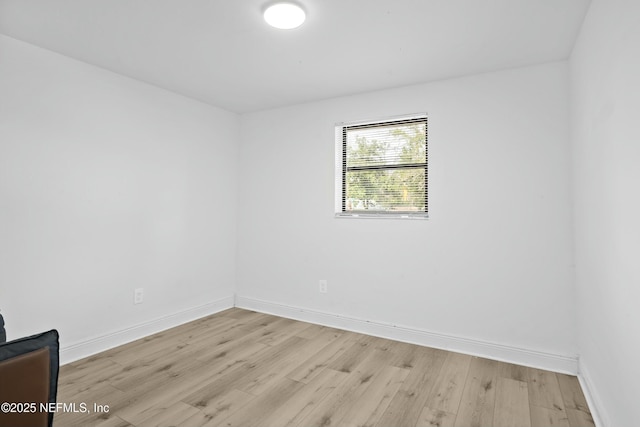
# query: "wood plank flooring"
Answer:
x=242 y=368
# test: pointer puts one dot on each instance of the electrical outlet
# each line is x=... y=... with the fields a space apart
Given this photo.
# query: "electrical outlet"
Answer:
x=138 y=295
x=323 y=286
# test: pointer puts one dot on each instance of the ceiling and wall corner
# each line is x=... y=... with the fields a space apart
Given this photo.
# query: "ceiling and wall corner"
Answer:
x=223 y=53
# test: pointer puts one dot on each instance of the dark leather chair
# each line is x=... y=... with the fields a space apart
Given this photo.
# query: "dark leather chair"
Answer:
x=3 y=334
x=29 y=380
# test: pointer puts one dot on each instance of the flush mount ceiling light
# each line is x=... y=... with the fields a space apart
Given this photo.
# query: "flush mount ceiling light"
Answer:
x=284 y=16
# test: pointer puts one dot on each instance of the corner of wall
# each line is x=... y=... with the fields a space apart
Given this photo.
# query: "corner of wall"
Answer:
x=593 y=399
x=105 y=342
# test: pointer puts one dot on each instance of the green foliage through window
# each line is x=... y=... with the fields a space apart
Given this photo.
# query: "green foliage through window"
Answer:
x=384 y=167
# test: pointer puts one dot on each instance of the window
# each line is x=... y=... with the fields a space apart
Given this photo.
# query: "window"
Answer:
x=381 y=168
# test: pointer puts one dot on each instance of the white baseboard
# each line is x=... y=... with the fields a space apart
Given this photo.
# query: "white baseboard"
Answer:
x=520 y=356
x=526 y=357
x=593 y=399
x=70 y=353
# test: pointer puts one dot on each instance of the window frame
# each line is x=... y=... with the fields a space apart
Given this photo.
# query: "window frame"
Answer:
x=341 y=169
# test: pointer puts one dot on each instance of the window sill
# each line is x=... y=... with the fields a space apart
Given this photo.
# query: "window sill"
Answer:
x=404 y=216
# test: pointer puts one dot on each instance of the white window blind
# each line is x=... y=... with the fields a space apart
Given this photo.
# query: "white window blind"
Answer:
x=382 y=168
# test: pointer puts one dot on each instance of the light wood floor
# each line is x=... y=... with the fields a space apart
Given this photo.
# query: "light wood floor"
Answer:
x=241 y=368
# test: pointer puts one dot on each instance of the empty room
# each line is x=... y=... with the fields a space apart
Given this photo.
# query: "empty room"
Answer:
x=319 y=213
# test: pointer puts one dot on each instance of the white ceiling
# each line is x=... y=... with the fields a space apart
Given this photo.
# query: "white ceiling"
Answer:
x=222 y=52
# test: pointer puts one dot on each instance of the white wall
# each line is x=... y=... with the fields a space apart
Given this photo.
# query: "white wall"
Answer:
x=494 y=261
x=605 y=76
x=106 y=185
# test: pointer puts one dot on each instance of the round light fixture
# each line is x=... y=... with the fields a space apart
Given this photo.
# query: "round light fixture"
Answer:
x=284 y=16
